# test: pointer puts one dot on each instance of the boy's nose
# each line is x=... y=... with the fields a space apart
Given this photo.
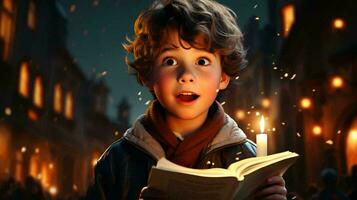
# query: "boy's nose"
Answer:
x=186 y=76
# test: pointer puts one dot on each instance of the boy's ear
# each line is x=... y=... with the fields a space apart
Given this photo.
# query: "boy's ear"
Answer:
x=224 y=81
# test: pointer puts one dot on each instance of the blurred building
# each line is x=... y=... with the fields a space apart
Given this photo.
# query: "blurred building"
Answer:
x=53 y=122
x=319 y=46
x=300 y=75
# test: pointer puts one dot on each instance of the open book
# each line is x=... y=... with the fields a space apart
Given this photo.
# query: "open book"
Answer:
x=239 y=181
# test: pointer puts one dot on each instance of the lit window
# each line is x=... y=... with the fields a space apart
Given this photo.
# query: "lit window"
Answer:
x=18 y=166
x=8 y=5
x=351 y=146
x=24 y=79
x=57 y=106
x=288 y=13
x=31 y=17
x=68 y=112
x=45 y=174
x=6 y=26
x=34 y=166
x=38 y=93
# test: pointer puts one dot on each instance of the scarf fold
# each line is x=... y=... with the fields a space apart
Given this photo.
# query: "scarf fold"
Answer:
x=188 y=151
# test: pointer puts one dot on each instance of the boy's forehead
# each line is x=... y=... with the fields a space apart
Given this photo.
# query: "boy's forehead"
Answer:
x=172 y=40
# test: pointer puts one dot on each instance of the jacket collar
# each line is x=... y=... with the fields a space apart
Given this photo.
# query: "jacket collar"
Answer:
x=229 y=134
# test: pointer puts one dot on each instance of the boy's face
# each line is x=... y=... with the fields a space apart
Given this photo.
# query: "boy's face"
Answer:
x=186 y=80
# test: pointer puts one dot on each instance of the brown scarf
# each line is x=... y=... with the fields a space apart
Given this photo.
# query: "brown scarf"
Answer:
x=186 y=152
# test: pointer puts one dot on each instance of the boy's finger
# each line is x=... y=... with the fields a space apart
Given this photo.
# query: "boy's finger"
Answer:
x=276 y=180
x=273 y=197
x=274 y=189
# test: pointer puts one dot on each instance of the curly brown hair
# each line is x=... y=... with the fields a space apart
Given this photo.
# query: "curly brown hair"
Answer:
x=191 y=18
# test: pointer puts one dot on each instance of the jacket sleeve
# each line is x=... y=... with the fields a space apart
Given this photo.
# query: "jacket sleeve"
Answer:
x=239 y=152
x=104 y=179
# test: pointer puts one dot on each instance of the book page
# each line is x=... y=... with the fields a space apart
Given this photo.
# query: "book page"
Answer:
x=165 y=164
x=249 y=165
x=255 y=179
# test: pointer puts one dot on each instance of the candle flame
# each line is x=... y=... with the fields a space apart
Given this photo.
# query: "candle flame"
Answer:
x=261 y=124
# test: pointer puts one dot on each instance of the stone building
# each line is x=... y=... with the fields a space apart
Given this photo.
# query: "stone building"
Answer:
x=53 y=122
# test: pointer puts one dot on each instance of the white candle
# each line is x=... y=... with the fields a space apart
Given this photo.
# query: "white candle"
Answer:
x=262 y=140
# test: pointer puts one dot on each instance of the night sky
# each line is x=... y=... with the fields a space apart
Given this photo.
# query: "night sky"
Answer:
x=96 y=30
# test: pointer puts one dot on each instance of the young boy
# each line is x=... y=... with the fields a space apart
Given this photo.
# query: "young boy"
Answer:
x=185 y=52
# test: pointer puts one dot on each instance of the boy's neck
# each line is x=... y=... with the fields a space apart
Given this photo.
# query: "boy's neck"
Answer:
x=184 y=127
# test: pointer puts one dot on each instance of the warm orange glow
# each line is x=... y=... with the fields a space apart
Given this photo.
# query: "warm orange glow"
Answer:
x=330 y=142
x=32 y=115
x=68 y=112
x=45 y=175
x=305 y=103
x=5 y=137
x=31 y=16
x=38 y=93
x=288 y=12
x=24 y=80
x=94 y=161
x=53 y=190
x=266 y=103
x=8 y=5
x=6 y=30
x=34 y=166
x=74 y=187
x=317 y=130
x=23 y=149
x=240 y=114
x=353 y=134
x=18 y=166
x=337 y=82
x=8 y=111
x=351 y=146
x=338 y=23
x=95 y=158
x=58 y=98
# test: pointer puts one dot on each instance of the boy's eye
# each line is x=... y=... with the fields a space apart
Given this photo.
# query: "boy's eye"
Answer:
x=203 y=61
x=170 y=61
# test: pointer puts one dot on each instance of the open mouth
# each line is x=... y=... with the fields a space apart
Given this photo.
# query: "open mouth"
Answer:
x=187 y=96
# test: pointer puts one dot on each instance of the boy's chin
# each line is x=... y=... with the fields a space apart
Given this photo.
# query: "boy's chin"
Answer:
x=188 y=114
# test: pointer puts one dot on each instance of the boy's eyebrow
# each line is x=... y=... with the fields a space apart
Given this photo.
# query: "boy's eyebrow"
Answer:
x=168 y=48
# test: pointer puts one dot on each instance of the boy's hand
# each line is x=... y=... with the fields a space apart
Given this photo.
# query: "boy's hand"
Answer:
x=272 y=189
x=148 y=193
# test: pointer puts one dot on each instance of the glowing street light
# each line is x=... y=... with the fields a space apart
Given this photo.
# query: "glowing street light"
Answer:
x=265 y=103
x=305 y=103
x=23 y=149
x=53 y=191
x=317 y=130
x=240 y=114
x=337 y=82
x=338 y=23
